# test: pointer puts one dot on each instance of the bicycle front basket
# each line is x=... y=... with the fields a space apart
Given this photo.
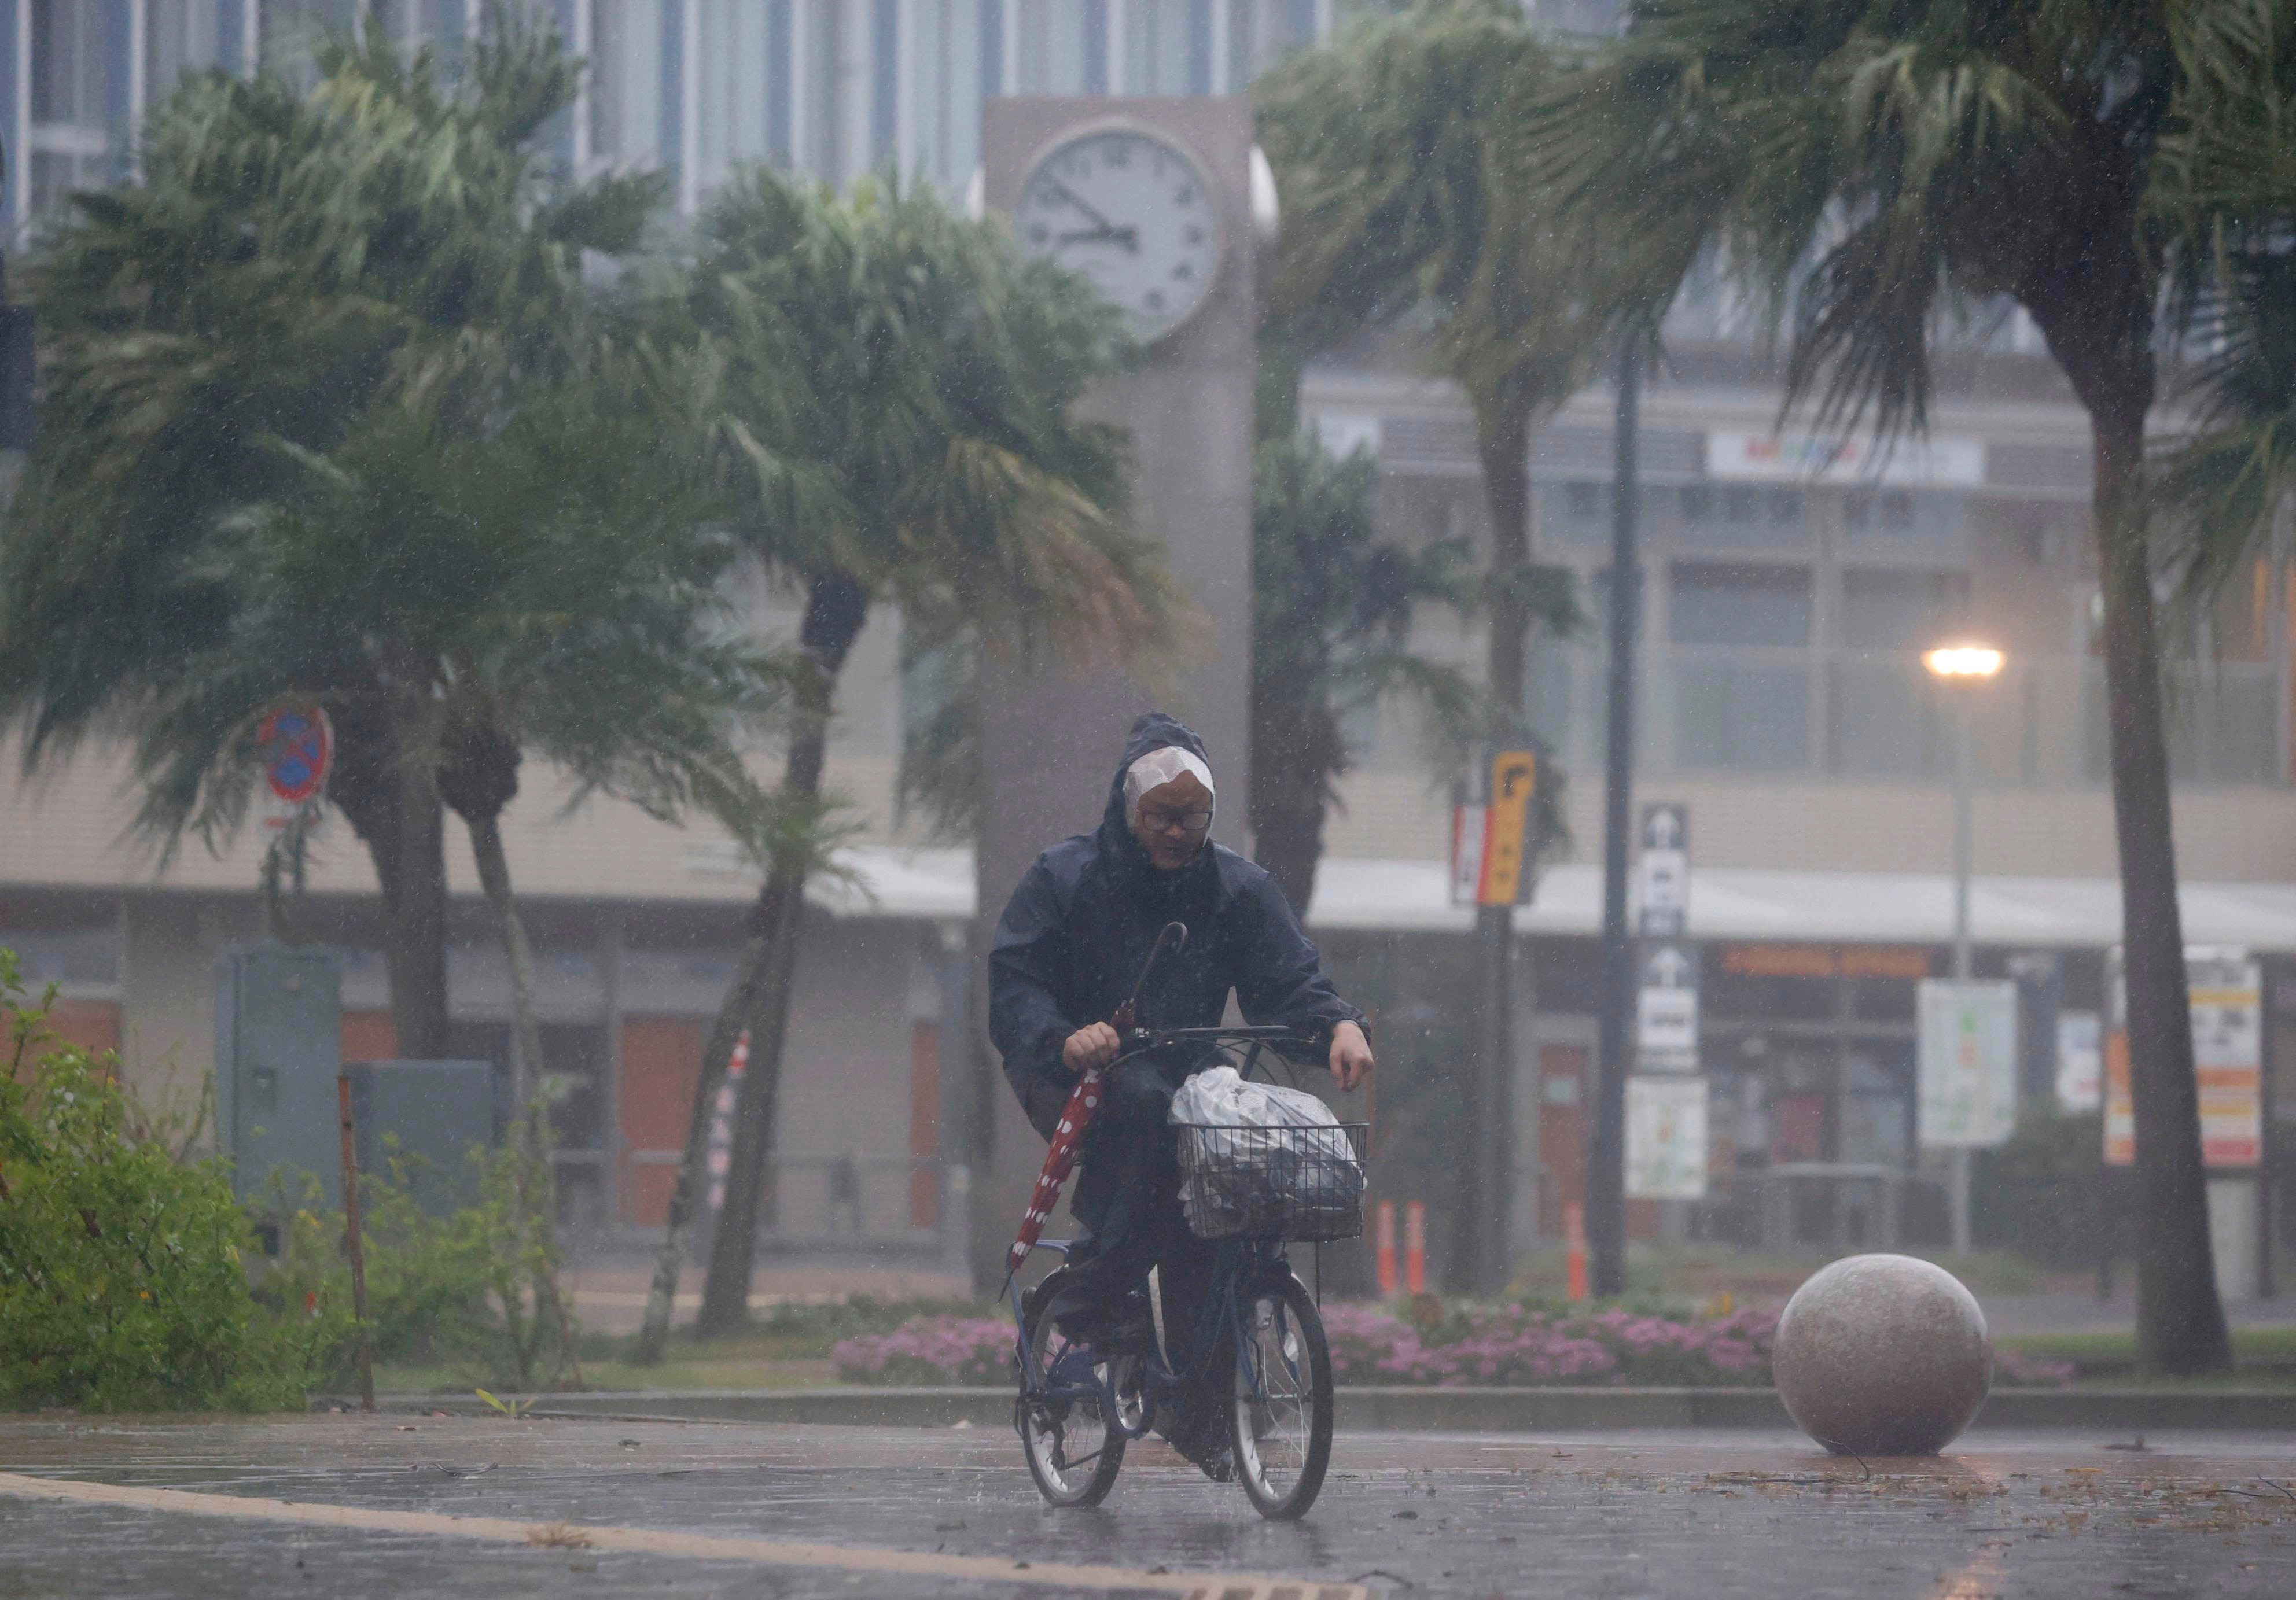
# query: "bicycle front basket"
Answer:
x=1302 y=1184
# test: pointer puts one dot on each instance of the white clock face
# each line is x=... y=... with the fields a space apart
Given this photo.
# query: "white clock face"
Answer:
x=1132 y=214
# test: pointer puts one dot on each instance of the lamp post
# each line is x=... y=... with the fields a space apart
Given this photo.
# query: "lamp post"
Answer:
x=1963 y=668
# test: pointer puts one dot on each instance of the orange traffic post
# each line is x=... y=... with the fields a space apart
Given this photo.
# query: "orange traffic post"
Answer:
x=1414 y=1247
x=1386 y=1249
x=1574 y=1242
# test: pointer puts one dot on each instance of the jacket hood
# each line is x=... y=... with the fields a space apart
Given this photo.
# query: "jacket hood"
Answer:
x=1152 y=732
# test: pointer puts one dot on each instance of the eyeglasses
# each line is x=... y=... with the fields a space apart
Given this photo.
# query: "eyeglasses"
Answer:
x=1157 y=821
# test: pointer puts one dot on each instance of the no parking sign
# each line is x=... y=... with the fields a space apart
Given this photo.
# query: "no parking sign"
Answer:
x=297 y=747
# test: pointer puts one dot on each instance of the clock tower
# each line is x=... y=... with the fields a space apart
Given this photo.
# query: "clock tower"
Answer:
x=1153 y=202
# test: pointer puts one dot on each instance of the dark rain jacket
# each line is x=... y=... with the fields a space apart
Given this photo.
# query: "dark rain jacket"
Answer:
x=1072 y=939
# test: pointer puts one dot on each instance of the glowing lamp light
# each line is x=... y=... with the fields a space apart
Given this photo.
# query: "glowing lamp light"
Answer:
x=1963 y=661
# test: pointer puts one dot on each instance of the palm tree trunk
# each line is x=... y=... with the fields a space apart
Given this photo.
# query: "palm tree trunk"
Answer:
x=835 y=610
x=1486 y=1176
x=717 y=1057
x=414 y=943
x=531 y=1119
x=1291 y=754
x=2180 y=1321
x=526 y=1033
x=1287 y=829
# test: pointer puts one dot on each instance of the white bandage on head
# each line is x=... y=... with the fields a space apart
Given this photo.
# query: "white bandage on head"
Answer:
x=1156 y=769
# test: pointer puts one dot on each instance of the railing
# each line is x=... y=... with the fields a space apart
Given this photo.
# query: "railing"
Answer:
x=854 y=1202
x=1878 y=715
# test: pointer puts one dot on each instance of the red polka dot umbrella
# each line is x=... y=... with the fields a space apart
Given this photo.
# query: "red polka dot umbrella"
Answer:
x=1076 y=1116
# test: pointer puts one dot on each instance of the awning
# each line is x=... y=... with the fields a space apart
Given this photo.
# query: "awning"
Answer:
x=1353 y=894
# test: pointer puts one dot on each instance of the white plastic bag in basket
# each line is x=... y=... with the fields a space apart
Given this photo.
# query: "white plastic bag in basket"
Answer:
x=1244 y=1184
x=1220 y=1099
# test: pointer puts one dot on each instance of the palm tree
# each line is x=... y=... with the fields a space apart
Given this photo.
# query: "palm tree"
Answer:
x=1389 y=151
x=289 y=262
x=1332 y=607
x=1874 y=168
x=898 y=425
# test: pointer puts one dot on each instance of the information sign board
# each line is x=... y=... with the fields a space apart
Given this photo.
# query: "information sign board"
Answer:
x=1968 y=1058
x=1663 y=908
x=1666 y=1008
x=1666 y=1139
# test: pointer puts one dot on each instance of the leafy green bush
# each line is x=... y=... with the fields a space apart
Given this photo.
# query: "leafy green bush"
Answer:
x=122 y=1285
x=475 y=1291
x=2036 y=1193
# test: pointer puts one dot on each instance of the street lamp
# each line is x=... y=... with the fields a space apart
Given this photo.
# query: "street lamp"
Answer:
x=1966 y=666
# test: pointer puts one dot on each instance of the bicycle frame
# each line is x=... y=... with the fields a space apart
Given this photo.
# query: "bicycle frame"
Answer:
x=1243 y=1265
x=1240 y=1265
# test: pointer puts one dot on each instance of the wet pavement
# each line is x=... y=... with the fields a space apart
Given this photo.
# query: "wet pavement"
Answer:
x=1624 y=1514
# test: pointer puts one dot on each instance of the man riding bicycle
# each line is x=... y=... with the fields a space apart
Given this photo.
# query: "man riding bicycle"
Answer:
x=1072 y=940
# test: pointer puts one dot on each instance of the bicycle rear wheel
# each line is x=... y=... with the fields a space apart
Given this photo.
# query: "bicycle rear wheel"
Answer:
x=1073 y=1450
x=1280 y=1410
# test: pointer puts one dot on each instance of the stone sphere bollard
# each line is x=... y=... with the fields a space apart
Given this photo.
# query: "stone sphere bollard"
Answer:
x=1883 y=1355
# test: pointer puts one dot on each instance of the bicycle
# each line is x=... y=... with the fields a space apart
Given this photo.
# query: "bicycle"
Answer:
x=1079 y=1407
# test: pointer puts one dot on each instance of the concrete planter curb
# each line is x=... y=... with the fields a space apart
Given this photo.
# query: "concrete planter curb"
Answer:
x=1395 y=1410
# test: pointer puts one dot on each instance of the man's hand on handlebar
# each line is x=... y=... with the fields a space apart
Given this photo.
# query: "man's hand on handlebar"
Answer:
x=1351 y=1057
x=1096 y=1044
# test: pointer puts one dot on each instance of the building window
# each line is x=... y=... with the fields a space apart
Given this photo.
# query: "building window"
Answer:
x=1735 y=604
x=739 y=95
x=72 y=47
x=1885 y=610
x=1742 y=688
x=1052 y=46
x=626 y=83
x=180 y=36
x=1900 y=515
x=1161 y=47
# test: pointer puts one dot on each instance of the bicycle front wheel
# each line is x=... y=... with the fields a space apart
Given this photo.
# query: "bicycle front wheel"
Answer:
x=1074 y=1449
x=1280 y=1412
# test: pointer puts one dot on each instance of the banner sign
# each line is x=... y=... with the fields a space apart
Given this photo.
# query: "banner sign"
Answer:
x=2225 y=989
x=1939 y=462
x=1491 y=842
x=1666 y=1139
x=1968 y=1054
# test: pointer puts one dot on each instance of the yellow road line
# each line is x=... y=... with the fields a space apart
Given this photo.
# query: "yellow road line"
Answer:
x=770 y=1552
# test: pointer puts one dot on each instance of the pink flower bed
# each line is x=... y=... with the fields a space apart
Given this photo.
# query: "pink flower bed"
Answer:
x=1507 y=1346
x=930 y=1350
x=2012 y=1371
x=1512 y=1346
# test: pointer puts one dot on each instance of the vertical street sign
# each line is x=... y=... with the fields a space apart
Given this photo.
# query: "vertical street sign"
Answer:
x=1968 y=1055
x=1491 y=839
x=297 y=745
x=1666 y=1139
x=1665 y=899
x=1666 y=1008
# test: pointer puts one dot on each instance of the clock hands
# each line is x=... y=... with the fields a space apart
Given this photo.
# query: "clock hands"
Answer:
x=1129 y=238
x=1104 y=231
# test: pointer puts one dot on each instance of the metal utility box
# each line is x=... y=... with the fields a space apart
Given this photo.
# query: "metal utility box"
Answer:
x=429 y=1115
x=279 y=1027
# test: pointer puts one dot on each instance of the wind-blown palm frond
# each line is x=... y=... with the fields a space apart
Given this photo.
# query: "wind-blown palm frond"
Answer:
x=2228 y=190
x=288 y=261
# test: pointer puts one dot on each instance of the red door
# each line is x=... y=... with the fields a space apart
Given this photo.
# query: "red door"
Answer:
x=661 y=1062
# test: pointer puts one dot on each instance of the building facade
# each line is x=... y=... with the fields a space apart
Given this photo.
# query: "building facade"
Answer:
x=1788 y=594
